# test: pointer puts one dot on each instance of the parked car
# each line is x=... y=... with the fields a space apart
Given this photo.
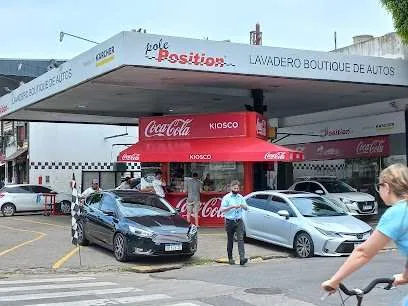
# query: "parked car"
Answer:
x=26 y=197
x=133 y=223
x=352 y=201
x=307 y=223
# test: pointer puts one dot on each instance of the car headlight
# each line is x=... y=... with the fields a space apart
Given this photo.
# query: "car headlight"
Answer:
x=346 y=201
x=328 y=233
x=140 y=232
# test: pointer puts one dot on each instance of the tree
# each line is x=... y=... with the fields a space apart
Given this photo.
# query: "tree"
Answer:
x=399 y=12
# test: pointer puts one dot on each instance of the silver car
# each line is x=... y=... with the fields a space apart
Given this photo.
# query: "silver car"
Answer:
x=307 y=223
x=353 y=202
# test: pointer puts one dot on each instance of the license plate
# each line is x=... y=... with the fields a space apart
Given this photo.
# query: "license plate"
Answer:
x=173 y=247
x=367 y=207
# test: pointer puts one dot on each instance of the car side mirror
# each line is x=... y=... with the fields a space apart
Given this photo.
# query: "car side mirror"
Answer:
x=284 y=213
x=321 y=192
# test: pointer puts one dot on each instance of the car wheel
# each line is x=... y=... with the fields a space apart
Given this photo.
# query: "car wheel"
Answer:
x=8 y=210
x=65 y=207
x=81 y=234
x=303 y=245
x=120 y=247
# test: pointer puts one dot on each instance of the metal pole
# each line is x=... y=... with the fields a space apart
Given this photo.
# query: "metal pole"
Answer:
x=79 y=37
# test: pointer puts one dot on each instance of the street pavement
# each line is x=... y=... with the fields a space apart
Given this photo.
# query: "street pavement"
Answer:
x=286 y=281
x=39 y=242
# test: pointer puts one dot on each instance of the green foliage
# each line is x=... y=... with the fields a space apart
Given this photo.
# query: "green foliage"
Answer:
x=399 y=12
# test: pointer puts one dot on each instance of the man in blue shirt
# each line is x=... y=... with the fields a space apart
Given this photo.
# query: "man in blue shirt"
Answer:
x=232 y=206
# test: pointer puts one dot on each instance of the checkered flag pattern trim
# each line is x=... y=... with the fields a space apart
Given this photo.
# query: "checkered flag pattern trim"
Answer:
x=75 y=213
x=87 y=166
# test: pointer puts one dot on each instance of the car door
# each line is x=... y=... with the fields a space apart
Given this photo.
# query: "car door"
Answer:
x=277 y=228
x=90 y=217
x=254 y=217
x=24 y=198
x=108 y=219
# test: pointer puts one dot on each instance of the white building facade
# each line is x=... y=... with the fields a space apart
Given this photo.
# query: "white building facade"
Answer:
x=57 y=151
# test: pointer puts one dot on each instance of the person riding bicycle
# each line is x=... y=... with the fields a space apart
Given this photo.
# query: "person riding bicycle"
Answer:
x=393 y=226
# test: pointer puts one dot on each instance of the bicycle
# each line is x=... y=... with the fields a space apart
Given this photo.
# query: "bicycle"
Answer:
x=359 y=293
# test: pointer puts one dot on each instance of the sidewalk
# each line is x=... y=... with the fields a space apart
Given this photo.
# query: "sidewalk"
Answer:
x=212 y=245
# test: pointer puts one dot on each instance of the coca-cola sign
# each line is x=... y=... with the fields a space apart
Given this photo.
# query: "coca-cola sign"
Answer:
x=360 y=147
x=194 y=126
x=130 y=157
x=175 y=128
x=275 y=156
x=370 y=147
x=261 y=126
x=208 y=209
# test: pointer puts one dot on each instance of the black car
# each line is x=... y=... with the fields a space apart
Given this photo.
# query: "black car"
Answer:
x=133 y=223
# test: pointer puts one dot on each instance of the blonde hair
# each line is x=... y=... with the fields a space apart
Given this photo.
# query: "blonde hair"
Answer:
x=396 y=176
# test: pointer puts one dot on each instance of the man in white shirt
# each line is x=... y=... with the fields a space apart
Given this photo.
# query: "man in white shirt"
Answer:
x=159 y=183
x=94 y=188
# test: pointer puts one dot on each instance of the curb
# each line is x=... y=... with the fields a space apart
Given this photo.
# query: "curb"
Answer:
x=224 y=260
x=151 y=269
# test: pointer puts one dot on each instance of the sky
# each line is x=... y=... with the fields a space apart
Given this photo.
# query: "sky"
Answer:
x=30 y=28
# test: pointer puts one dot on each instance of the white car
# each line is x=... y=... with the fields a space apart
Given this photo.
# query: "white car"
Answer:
x=307 y=223
x=27 y=197
x=354 y=202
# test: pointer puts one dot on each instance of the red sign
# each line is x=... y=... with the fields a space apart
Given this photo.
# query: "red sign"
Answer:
x=193 y=126
x=360 y=147
x=209 y=212
x=261 y=126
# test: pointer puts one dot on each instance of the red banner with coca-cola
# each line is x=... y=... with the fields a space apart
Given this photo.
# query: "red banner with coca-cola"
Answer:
x=195 y=126
x=209 y=213
x=353 y=148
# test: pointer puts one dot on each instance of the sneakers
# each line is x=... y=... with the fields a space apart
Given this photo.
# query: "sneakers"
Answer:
x=231 y=261
x=243 y=261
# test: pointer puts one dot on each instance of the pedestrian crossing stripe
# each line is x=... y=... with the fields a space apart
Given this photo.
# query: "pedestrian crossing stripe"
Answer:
x=111 y=301
x=85 y=295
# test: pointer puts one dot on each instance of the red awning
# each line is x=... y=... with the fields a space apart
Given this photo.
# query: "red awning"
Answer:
x=208 y=150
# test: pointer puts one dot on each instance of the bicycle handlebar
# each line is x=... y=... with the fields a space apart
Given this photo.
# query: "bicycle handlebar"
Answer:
x=370 y=286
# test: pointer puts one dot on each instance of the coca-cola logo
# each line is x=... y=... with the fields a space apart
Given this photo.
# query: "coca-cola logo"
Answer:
x=131 y=157
x=376 y=146
x=275 y=156
x=261 y=126
x=209 y=209
x=175 y=128
x=200 y=156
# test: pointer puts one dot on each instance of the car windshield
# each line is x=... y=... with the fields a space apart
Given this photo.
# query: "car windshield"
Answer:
x=316 y=207
x=144 y=206
x=336 y=186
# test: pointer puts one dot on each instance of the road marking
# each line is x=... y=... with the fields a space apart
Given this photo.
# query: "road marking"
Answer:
x=186 y=304
x=61 y=286
x=64 y=258
x=41 y=235
x=43 y=223
x=28 y=297
x=45 y=280
x=112 y=301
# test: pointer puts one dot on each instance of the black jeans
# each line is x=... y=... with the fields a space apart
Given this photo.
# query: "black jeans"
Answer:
x=232 y=227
